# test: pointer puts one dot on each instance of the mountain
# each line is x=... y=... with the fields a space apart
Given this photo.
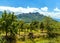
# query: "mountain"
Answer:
x=0 y=14
x=56 y=19
x=28 y=17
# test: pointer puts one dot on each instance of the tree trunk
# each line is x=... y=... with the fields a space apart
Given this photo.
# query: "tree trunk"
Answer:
x=19 y=32
x=41 y=30
x=6 y=32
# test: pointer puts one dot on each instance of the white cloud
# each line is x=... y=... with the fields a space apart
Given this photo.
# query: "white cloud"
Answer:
x=56 y=9
x=54 y=14
x=18 y=9
x=44 y=9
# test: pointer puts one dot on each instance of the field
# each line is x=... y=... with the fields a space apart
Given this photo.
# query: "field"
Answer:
x=39 y=38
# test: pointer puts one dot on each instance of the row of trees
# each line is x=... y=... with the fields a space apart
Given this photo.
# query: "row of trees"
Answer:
x=11 y=25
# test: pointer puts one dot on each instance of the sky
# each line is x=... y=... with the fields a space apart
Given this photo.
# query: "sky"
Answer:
x=31 y=3
x=45 y=7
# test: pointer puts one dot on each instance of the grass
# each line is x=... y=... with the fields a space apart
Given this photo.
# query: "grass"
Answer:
x=37 y=40
x=41 y=40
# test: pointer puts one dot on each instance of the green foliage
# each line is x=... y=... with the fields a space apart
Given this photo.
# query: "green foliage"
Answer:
x=42 y=26
x=34 y=25
x=8 y=22
x=12 y=26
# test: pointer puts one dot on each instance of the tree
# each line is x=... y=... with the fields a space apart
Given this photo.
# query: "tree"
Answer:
x=49 y=28
x=14 y=24
x=48 y=24
x=7 y=20
x=13 y=28
x=8 y=23
x=34 y=25
x=20 y=26
x=42 y=26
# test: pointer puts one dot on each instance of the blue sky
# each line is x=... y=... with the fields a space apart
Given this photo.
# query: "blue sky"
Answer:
x=31 y=3
x=45 y=7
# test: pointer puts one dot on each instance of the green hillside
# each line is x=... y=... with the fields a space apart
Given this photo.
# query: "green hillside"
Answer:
x=28 y=17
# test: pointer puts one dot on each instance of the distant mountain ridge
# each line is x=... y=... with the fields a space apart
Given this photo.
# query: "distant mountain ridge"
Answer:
x=28 y=17
x=56 y=19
